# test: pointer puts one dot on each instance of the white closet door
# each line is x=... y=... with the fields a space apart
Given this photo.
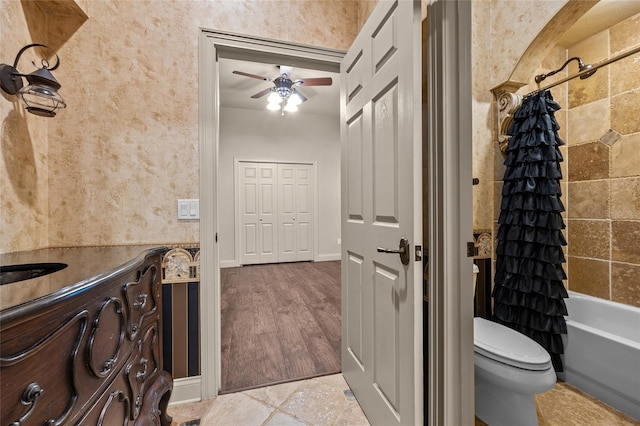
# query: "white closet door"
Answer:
x=268 y=213
x=258 y=213
x=304 y=212
x=295 y=203
x=287 y=212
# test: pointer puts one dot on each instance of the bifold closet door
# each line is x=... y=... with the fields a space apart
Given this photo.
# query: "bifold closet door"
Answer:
x=295 y=212
x=258 y=213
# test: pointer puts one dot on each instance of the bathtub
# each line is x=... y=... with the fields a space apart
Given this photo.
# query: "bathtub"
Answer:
x=602 y=351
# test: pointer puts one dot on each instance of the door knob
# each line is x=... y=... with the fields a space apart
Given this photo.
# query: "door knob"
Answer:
x=403 y=250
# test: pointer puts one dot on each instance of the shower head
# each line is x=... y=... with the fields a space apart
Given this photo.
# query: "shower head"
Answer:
x=584 y=67
x=581 y=66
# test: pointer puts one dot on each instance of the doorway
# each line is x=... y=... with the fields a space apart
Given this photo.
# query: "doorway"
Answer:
x=449 y=166
x=215 y=226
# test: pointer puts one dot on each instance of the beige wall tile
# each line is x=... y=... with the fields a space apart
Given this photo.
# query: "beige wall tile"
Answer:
x=589 y=276
x=562 y=117
x=588 y=122
x=625 y=74
x=564 y=164
x=625 y=34
x=624 y=241
x=588 y=200
x=589 y=238
x=625 y=156
x=591 y=50
x=625 y=285
x=625 y=198
x=625 y=110
x=589 y=161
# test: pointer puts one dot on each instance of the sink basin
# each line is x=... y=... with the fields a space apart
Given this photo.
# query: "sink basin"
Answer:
x=14 y=273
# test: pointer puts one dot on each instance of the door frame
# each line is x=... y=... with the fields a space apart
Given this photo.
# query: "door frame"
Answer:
x=449 y=139
x=213 y=44
x=236 y=201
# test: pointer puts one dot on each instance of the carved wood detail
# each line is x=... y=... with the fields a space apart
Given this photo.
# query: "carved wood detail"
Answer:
x=106 y=365
x=141 y=302
x=76 y=358
x=106 y=415
x=144 y=366
x=508 y=104
x=37 y=377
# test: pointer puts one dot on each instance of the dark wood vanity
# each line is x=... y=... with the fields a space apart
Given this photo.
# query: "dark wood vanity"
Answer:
x=82 y=345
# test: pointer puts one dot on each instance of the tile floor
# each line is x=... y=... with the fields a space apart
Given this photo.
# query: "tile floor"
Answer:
x=322 y=401
x=318 y=401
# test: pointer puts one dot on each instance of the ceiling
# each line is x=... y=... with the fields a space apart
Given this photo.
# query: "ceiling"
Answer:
x=236 y=90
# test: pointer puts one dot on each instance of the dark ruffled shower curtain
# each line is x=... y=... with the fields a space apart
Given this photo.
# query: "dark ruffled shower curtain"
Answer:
x=529 y=293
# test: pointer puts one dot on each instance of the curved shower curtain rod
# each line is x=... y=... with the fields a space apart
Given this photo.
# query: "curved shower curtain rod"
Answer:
x=586 y=70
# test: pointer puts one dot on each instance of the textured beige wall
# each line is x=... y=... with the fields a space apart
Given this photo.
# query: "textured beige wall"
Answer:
x=23 y=166
x=116 y=160
x=501 y=33
x=108 y=169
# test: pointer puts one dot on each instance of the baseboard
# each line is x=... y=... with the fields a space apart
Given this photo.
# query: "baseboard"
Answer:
x=228 y=264
x=328 y=257
x=186 y=389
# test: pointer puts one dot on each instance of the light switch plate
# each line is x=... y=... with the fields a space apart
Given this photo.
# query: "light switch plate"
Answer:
x=188 y=209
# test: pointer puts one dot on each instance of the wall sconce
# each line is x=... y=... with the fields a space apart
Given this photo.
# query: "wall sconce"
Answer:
x=41 y=96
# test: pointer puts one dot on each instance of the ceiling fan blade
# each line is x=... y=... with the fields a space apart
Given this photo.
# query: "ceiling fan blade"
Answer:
x=261 y=93
x=320 y=81
x=246 y=74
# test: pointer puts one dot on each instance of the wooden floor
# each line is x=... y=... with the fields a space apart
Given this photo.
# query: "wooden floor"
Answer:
x=280 y=322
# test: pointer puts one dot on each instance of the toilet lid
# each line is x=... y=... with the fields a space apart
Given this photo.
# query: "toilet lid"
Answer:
x=500 y=343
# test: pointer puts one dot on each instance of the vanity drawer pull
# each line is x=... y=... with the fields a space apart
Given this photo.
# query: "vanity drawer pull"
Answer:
x=141 y=302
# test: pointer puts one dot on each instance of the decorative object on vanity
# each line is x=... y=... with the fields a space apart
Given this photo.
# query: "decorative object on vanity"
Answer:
x=40 y=96
x=87 y=349
x=284 y=96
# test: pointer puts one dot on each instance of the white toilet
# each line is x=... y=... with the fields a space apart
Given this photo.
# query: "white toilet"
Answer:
x=509 y=368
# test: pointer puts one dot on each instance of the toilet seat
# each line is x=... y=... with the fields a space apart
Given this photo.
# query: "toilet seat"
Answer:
x=507 y=346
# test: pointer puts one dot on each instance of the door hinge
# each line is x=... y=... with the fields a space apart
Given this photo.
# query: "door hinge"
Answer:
x=418 y=251
x=472 y=250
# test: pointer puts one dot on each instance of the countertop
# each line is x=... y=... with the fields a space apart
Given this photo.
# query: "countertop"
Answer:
x=86 y=265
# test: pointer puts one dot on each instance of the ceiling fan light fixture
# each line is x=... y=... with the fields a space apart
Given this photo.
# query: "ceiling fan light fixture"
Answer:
x=283 y=95
x=294 y=99
x=273 y=106
x=290 y=107
x=274 y=98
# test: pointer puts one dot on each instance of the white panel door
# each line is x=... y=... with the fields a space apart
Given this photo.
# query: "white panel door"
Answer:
x=295 y=205
x=381 y=203
x=268 y=221
x=304 y=212
x=258 y=213
x=249 y=184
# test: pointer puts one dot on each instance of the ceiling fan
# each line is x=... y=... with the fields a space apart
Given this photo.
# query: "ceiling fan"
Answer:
x=284 y=95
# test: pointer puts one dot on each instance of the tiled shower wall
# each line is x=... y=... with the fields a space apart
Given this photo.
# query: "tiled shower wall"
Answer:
x=603 y=169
